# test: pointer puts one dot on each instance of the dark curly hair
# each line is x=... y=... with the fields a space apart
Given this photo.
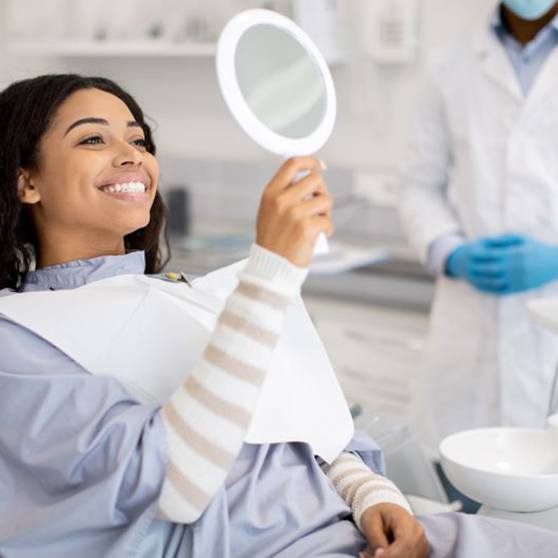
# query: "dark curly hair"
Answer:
x=27 y=108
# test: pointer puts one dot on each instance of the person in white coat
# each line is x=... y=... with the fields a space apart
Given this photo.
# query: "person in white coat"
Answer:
x=479 y=200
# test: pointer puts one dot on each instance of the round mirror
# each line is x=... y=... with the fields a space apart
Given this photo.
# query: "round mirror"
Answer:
x=283 y=87
x=276 y=83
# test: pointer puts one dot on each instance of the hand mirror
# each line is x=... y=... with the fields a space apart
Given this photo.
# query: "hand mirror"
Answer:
x=277 y=85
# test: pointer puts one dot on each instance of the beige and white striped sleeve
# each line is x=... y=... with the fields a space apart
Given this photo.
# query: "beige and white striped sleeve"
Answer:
x=360 y=487
x=207 y=418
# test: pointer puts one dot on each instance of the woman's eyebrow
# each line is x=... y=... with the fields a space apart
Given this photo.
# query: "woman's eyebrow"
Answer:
x=102 y=121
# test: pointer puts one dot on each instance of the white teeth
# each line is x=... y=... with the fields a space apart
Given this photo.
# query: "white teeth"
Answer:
x=125 y=187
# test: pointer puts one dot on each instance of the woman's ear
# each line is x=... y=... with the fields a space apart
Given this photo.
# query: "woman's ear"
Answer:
x=26 y=190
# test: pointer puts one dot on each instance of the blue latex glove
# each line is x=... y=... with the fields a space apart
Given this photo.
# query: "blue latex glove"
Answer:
x=505 y=264
x=527 y=265
x=480 y=263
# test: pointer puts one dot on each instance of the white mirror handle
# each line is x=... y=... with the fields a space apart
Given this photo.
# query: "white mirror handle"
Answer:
x=322 y=245
x=552 y=422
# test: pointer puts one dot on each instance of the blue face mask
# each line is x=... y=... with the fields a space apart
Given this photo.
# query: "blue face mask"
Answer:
x=530 y=9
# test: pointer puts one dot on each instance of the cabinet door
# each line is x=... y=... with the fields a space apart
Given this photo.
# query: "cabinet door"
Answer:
x=376 y=352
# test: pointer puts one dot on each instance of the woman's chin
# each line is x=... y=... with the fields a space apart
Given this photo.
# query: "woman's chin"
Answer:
x=133 y=226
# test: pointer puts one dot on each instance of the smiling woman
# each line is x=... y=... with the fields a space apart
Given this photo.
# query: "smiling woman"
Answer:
x=78 y=176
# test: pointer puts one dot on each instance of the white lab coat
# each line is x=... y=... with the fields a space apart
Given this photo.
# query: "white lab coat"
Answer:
x=483 y=161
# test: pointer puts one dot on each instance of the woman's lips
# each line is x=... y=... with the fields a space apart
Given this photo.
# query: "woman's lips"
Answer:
x=127 y=188
x=127 y=191
x=129 y=196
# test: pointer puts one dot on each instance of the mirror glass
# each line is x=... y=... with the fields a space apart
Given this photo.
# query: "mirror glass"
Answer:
x=280 y=81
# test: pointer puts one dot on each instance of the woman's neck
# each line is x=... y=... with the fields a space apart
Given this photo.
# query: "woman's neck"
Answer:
x=525 y=31
x=59 y=249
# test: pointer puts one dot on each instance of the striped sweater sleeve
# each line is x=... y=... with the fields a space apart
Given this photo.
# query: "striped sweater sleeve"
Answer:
x=206 y=420
x=360 y=487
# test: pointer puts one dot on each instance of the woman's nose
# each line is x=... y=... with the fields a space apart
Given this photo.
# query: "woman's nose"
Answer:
x=127 y=155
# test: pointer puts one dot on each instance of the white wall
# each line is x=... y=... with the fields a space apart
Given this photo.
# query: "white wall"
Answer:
x=222 y=167
x=182 y=96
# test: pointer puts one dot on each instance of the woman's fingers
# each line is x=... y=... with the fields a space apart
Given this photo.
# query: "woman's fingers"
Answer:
x=319 y=205
x=324 y=225
x=305 y=188
x=289 y=170
x=375 y=534
x=409 y=541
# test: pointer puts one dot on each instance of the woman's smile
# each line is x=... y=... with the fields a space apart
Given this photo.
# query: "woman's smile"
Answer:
x=134 y=187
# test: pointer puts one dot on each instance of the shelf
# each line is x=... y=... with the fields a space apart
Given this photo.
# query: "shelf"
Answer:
x=74 y=49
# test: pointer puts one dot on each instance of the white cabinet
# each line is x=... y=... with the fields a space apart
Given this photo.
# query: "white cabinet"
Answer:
x=377 y=352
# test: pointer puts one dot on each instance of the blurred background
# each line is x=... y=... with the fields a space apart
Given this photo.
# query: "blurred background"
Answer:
x=372 y=318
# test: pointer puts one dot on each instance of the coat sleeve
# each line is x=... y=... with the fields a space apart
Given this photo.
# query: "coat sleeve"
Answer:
x=78 y=456
x=424 y=208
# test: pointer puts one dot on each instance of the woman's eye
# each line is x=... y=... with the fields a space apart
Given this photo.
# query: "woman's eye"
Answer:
x=141 y=143
x=93 y=140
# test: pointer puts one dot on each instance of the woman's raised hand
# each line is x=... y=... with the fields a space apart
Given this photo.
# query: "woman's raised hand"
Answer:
x=293 y=214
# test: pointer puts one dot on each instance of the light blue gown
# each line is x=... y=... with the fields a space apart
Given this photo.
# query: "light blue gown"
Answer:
x=82 y=464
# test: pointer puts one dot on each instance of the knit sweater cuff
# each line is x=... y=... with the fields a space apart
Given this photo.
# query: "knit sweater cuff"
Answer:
x=273 y=272
x=360 y=487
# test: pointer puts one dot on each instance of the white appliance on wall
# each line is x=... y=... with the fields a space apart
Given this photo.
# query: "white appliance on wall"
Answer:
x=391 y=30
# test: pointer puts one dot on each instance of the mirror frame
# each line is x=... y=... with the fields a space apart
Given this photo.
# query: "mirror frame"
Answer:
x=241 y=111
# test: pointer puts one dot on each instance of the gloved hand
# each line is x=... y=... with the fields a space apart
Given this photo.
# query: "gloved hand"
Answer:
x=505 y=264
x=480 y=263
x=528 y=264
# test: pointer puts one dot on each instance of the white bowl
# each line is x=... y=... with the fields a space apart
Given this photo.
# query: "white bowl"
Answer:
x=512 y=469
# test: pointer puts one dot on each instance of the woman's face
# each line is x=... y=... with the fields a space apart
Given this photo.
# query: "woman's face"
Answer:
x=95 y=176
